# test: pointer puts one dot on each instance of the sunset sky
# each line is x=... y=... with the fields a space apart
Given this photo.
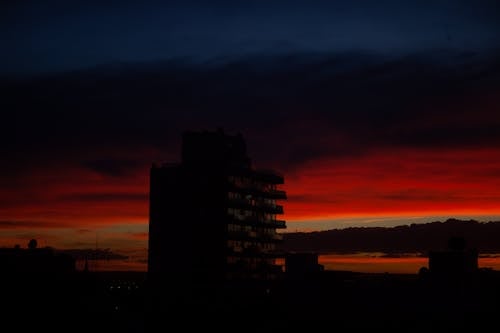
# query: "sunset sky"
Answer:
x=376 y=112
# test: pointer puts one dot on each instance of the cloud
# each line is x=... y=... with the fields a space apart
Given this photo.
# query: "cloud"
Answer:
x=291 y=108
x=24 y=224
x=140 y=235
x=414 y=195
x=367 y=116
x=112 y=167
x=106 y=197
x=84 y=231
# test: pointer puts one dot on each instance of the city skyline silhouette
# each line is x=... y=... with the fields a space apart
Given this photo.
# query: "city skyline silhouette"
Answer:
x=202 y=275
x=214 y=256
x=379 y=121
x=389 y=121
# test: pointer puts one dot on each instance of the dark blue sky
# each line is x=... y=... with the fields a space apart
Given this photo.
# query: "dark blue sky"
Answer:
x=47 y=36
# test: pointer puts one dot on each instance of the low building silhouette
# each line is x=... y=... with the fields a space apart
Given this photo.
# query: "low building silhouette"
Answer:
x=42 y=261
x=213 y=217
x=37 y=274
x=302 y=264
x=456 y=260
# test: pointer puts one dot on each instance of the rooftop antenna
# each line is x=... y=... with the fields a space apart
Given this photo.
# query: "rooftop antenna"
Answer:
x=95 y=253
x=86 y=266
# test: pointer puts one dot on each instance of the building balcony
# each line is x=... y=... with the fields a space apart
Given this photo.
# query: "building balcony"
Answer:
x=254 y=236
x=262 y=175
x=277 y=194
x=242 y=235
x=280 y=224
x=271 y=237
x=254 y=221
x=269 y=208
x=254 y=252
x=278 y=237
x=241 y=203
x=257 y=191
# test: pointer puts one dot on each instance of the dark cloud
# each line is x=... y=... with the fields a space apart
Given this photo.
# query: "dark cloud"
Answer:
x=311 y=198
x=139 y=235
x=84 y=231
x=24 y=224
x=112 y=167
x=106 y=197
x=291 y=108
x=414 y=195
x=47 y=36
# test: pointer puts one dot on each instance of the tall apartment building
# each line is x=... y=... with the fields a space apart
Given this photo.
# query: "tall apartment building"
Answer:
x=212 y=216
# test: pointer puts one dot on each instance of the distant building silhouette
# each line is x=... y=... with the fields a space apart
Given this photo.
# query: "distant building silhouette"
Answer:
x=212 y=216
x=301 y=264
x=33 y=260
x=456 y=260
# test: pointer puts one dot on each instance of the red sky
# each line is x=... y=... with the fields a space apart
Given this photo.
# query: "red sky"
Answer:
x=397 y=182
x=64 y=206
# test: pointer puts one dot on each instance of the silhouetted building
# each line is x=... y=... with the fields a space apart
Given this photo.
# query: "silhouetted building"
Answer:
x=213 y=217
x=299 y=264
x=34 y=274
x=41 y=261
x=456 y=260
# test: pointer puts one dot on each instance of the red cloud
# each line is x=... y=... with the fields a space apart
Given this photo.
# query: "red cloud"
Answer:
x=396 y=182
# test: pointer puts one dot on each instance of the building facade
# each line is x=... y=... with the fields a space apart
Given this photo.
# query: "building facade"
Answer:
x=212 y=216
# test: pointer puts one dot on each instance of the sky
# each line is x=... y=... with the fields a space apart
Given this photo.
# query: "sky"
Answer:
x=377 y=112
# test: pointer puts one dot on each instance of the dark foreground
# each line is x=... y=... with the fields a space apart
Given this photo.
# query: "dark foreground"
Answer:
x=329 y=301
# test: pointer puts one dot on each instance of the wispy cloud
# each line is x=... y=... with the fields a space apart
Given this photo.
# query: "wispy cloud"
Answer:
x=23 y=224
x=113 y=167
x=104 y=197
